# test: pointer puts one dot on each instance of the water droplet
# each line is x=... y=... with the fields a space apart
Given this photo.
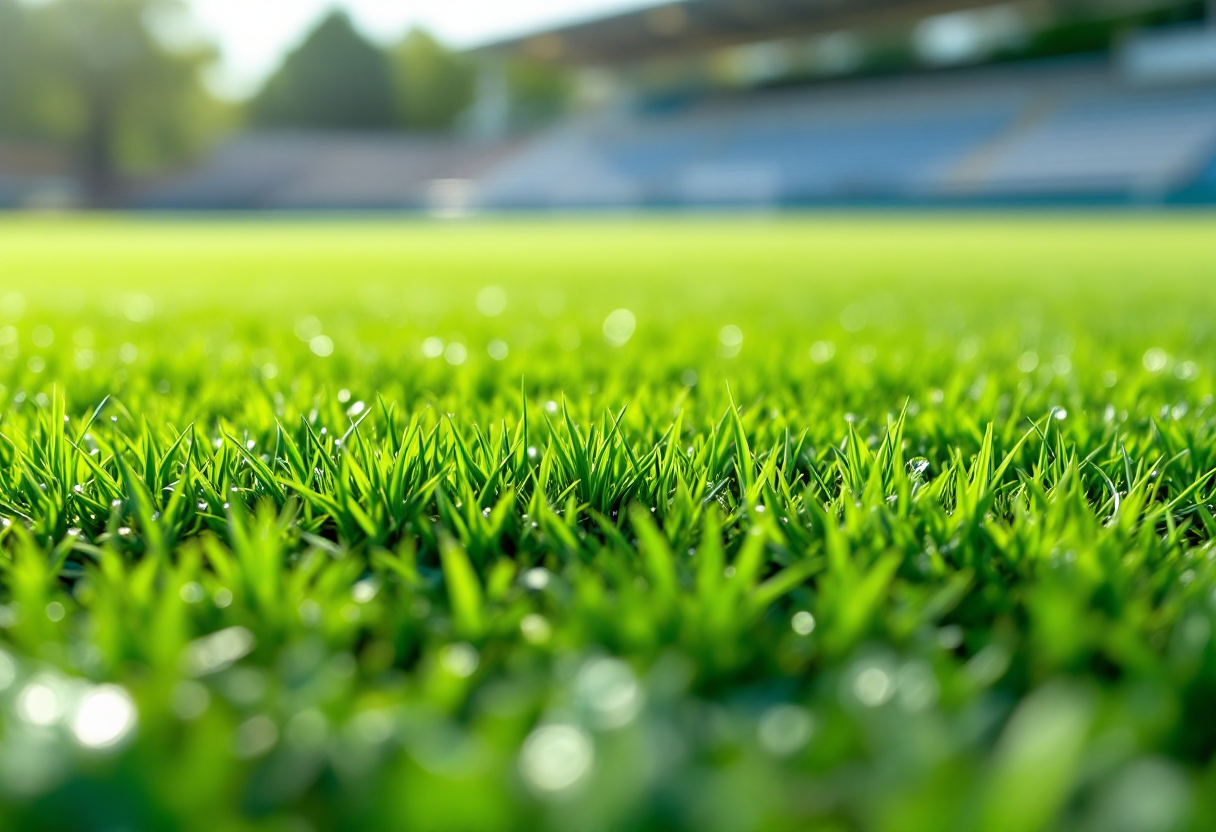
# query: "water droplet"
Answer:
x=192 y=592
x=872 y=686
x=105 y=716
x=364 y=591
x=255 y=737
x=432 y=347
x=730 y=341
x=492 y=301
x=536 y=629
x=40 y=702
x=609 y=691
x=556 y=757
x=784 y=730
x=322 y=346
x=619 y=327
x=217 y=651
x=803 y=623
x=460 y=660
x=537 y=578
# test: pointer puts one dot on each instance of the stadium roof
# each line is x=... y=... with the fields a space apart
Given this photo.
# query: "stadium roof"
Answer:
x=693 y=25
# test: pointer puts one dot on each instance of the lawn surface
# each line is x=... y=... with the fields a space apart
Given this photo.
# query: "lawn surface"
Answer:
x=727 y=524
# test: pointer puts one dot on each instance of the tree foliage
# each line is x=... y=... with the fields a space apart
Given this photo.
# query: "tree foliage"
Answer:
x=434 y=85
x=92 y=75
x=335 y=79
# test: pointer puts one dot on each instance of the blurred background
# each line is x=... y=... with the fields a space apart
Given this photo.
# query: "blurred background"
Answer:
x=464 y=106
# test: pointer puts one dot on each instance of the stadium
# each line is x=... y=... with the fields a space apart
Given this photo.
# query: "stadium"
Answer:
x=707 y=103
x=706 y=416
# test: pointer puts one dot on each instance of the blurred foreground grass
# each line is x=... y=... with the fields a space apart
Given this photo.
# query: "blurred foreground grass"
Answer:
x=722 y=524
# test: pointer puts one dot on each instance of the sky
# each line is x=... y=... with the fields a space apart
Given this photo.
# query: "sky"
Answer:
x=253 y=35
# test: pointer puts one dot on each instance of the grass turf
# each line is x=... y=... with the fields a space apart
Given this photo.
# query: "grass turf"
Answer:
x=720 y=524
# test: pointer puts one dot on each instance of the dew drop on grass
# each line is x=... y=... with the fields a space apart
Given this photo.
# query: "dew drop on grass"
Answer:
x=492 y=301
x=619 y=327
x=105 y=716
x=307 y=328
x=950 y=637
x=218 y=651
x=872 y=686
x=537 y=578
x=784 y=730
x=322 y=346
x=192 y=592
x=1155 y=360
x=364 y=591
x=536 y=629
x=556 y=757
x=41 y=702
x=730 y=341
x=12 y=306
x=916 y=687
x=608 y=692
x=190 y=700
x=460 y=660
x=310 y=612
x=138 y=308
x=307 y=729
x=373 y=727
x=8 y=671
x=803 y=623
x=255 y=738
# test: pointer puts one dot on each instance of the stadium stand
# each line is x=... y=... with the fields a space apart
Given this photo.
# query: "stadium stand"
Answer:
x=35 y=176
x=1133 y=126
x=323 y=171
x=1125 y=144
x=1058 y=130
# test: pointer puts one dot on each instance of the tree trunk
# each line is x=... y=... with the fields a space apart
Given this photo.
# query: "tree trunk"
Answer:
x=97 y=155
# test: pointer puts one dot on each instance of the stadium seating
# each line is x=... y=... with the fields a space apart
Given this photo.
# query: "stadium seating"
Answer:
x=331 y=171
x=1128 y=143
x=1057 y=130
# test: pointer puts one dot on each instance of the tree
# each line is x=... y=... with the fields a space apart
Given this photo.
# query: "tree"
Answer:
x=335 y=79
x=539 y=92
x=91 y=75
x=22 y=84
x=433 y=85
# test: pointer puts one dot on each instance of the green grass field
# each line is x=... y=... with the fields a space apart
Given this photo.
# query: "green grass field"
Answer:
x=725 y=524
